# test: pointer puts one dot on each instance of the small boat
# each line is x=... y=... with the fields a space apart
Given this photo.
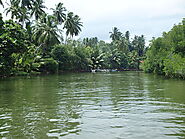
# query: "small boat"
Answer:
x=113 y=70
x=93 y=71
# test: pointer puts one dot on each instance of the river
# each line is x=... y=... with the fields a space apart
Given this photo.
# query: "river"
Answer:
x=119 y=105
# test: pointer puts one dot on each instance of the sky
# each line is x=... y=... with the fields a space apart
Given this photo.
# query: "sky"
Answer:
x=148 y=17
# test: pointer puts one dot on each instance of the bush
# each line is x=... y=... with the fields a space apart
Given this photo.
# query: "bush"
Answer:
x=48 y=65
x=174 y=66
x=62 y=54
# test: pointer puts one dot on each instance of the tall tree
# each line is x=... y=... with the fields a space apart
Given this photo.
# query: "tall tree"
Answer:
x=45 y=33
x=139 y=44
x=127 y=35
x=72 y=24
x=19 y=10
x=78 y=25
x=26 y=3
x=115 y=34
x=24 y=16
x=122 y=45
x=59 y=13
x=38 y=9
x=13 y=9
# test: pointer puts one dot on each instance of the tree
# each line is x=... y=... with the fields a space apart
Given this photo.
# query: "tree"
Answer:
x=14 y=45
x=92 y=42
x=1 y=24
x=127 y=35
x=26 y=3
x=38 y=9
x=72 y=24
x=122 y=45
x=13 y=9
x=115 y=34
x=139 y=44
x=45 y=33
x=166 y=54
x=77 y=25
x=23 y=16
x=59 y=13
x=97 y=59
x=19 y=10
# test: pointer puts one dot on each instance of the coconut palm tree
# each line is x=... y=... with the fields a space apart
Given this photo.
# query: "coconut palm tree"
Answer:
x=115 y=34
x=72 y=24
x=122 y=45
x=13 y=9
x=24 y=16
x=26 y=3
x=20 y=10
x=139 y=44
x=37 y=9
x=59 y=13
x=69 y=23
x=77 y=25
x=46 y=33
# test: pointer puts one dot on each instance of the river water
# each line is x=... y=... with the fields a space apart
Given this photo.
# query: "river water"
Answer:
x=119 y=105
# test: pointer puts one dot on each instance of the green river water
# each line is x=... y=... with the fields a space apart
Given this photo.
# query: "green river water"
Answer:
x=119 y=105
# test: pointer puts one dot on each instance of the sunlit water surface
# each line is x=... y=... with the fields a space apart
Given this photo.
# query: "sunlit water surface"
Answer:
x=120 y=105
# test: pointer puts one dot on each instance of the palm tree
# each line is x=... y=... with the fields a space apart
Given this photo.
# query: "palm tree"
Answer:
x=18 y=10
x=37 y=9
x=127 y=35
x=59 y=13
x=14 y=9
x=77 y=25
x=1 y=3
x=139 y=44
x=115 y=34
x=24 y=16
x=46 y=33
x=72 y=24
x=97 y=60
x=122 y=45
x=26 y=3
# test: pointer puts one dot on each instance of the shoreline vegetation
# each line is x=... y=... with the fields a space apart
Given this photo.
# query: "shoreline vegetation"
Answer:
x=166 y=54
x=32 y=43
x=82 y=71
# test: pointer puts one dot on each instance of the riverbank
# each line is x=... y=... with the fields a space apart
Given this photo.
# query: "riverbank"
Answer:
x=166 y=55
x=36 y=73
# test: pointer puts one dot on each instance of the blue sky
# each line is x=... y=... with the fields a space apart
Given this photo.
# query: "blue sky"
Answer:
x=147 y=17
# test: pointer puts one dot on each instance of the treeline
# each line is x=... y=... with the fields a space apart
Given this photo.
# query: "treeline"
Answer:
x=166 y=55
x=123 y=53
x=26 y=40
x=31 y=42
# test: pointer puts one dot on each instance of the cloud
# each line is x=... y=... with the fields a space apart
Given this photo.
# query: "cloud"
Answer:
x=148 y=17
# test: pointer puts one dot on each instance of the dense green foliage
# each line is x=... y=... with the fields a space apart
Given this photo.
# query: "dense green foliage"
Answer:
x=32 y=42
x=27 y=40
x=15 y=49
x=90 y=53
x=166 y=54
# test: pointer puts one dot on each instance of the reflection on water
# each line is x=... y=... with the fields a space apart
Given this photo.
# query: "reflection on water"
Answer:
x=87 y=105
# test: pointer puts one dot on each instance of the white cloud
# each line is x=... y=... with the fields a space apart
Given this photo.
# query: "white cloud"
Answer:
x=148 y=17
